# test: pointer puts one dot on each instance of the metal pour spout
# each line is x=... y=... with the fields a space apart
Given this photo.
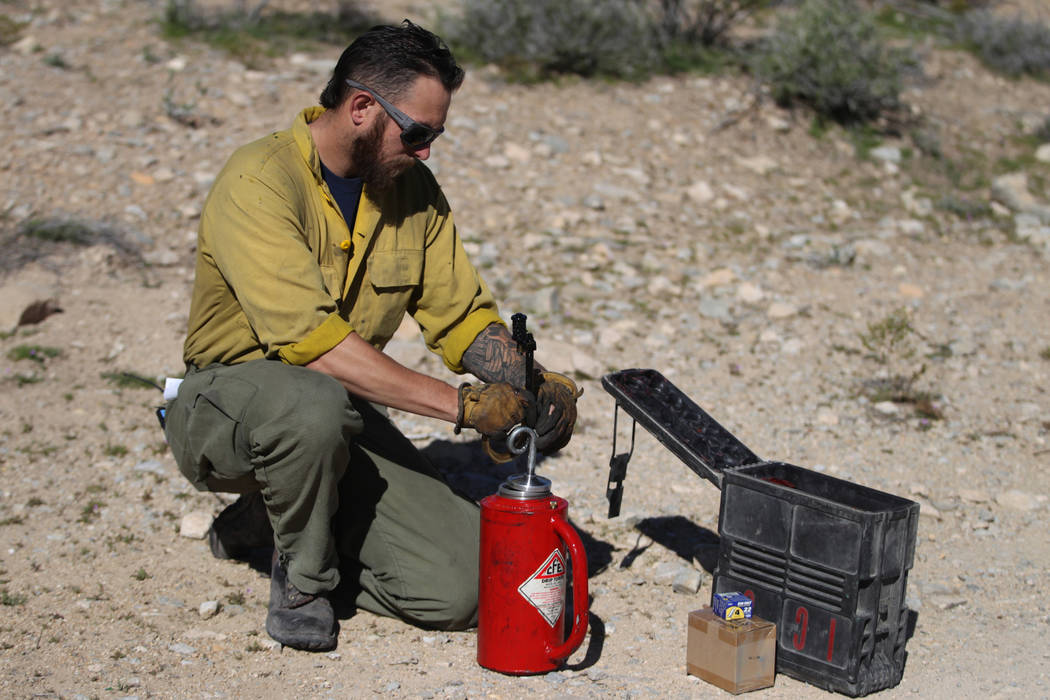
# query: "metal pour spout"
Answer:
x=527 y=485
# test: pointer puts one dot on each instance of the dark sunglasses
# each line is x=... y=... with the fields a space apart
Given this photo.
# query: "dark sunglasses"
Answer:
x=413 y=134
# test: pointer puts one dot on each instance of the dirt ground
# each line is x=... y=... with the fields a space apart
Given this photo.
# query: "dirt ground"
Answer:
x=674 y=224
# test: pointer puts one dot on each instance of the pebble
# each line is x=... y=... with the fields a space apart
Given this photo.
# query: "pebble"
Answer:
x=889 y=154
x=1018 y=500
x=910 y=291
x=717 y=309
x=517 y=153
x=26 y=45
x=687 y=581
x=974 y=496
x=716 y=278
x=195 y=524
x=780 y=310
x=918 y=206
x=911 y=227
x=195 y=634
x=665 y=572
x=153 y=466
x=181 y=648
x=177 y=64
x=886 y=408
x=1042 y=154
x=497 y=161
x=700 y=192
x=1012 y=191
x=927 y=509
x=826 y=416
x=760 y=165
x=208 y=609
x=750 y=293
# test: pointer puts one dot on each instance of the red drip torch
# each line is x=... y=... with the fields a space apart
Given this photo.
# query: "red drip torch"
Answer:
x=521 y=607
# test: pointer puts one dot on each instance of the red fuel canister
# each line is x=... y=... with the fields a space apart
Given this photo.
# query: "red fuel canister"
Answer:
x=527 y=547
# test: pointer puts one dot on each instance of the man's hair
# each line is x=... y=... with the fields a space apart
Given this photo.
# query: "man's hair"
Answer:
x=388 y=59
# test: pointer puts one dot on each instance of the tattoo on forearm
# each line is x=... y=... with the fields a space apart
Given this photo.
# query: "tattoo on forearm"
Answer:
x=494 y=357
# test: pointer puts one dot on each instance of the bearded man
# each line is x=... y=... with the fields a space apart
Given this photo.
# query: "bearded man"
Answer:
x=314 y=243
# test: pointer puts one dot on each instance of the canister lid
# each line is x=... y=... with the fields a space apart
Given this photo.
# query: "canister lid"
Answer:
x=522 y=440
x=525 y=486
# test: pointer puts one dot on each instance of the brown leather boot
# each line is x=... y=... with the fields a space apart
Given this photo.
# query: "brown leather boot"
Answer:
x=242 y=530
x=296 y=619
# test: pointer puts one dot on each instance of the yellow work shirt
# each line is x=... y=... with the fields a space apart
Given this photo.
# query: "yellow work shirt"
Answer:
x=280 y=275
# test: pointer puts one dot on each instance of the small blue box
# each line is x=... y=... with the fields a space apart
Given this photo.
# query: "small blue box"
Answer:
x=731 y=606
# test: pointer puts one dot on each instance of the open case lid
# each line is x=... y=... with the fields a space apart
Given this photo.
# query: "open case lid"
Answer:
x=679 y=424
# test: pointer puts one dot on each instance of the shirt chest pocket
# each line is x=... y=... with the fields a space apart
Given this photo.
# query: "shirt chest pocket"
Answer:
x=391 y=270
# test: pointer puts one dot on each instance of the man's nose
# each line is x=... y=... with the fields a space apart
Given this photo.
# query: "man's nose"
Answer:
x=422 y=153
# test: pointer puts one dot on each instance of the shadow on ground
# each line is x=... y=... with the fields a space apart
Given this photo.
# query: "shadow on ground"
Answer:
x=681 y=536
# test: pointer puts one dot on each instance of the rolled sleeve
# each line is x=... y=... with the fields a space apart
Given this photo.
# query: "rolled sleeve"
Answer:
x=330 y=333
x=461 y=337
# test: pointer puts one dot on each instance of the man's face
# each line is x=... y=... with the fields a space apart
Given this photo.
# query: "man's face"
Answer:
x=379 y=156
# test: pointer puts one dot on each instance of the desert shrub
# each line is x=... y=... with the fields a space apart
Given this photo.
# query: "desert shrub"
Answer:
x=829 y=55
x=964 y=208
x=540 y=38
x=1013 y=46
x=703 y=21
x=61 y=230
x=251 y=33
x=891 y=343
x=956 y=5
x=1042 y=133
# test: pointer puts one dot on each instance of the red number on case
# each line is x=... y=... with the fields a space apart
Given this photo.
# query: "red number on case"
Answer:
x=802 y=619
x=831 y=637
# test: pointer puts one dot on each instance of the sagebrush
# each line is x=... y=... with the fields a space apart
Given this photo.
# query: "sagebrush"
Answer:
x=1011 y=45
x=703 y=21
x=830 y=56
x=539 y=38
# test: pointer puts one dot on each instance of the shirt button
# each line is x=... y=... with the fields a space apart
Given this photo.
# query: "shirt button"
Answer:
x=345 y=245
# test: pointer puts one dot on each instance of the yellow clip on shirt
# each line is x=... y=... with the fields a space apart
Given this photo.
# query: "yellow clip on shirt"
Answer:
x=279 y=275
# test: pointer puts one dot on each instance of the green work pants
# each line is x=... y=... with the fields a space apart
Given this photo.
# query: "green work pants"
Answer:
x=353 y=503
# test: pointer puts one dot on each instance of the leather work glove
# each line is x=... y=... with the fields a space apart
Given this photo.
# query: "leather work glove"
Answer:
x=556 y=411
x=493 y=409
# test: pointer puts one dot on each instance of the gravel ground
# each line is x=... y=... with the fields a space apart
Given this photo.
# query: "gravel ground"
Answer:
x=747 y=263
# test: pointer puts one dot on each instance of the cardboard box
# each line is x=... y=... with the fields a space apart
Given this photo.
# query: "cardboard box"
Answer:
x=731 y=606
x=737 y=656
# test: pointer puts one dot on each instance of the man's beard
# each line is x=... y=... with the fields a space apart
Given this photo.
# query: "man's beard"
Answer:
x=364 y=157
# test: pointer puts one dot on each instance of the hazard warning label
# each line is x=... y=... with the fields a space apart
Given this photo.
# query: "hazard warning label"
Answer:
x=545 y=588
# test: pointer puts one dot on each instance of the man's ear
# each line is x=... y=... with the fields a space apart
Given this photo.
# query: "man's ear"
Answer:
x=359 y=105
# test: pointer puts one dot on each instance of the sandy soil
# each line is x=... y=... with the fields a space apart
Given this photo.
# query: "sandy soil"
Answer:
x=748 y=264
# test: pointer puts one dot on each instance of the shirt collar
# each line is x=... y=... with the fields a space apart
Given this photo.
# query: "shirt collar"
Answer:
x=305 y=140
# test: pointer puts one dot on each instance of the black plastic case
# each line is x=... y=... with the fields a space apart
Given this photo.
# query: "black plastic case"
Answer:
x=825 y=559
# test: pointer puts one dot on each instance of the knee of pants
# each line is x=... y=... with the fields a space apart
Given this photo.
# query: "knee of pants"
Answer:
x=454 y=605
x=462 y=612
x=315 y=413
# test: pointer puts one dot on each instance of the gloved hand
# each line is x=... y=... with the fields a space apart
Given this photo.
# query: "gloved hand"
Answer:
x=556 y=411
x=493 y=409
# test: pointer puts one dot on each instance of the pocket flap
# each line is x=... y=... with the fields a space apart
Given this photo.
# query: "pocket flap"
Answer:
x=396 y=268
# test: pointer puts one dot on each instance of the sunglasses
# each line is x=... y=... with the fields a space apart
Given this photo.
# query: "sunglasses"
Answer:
x=413 y=134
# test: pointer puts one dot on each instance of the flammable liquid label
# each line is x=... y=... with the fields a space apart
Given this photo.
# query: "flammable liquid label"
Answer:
x=545 y=588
